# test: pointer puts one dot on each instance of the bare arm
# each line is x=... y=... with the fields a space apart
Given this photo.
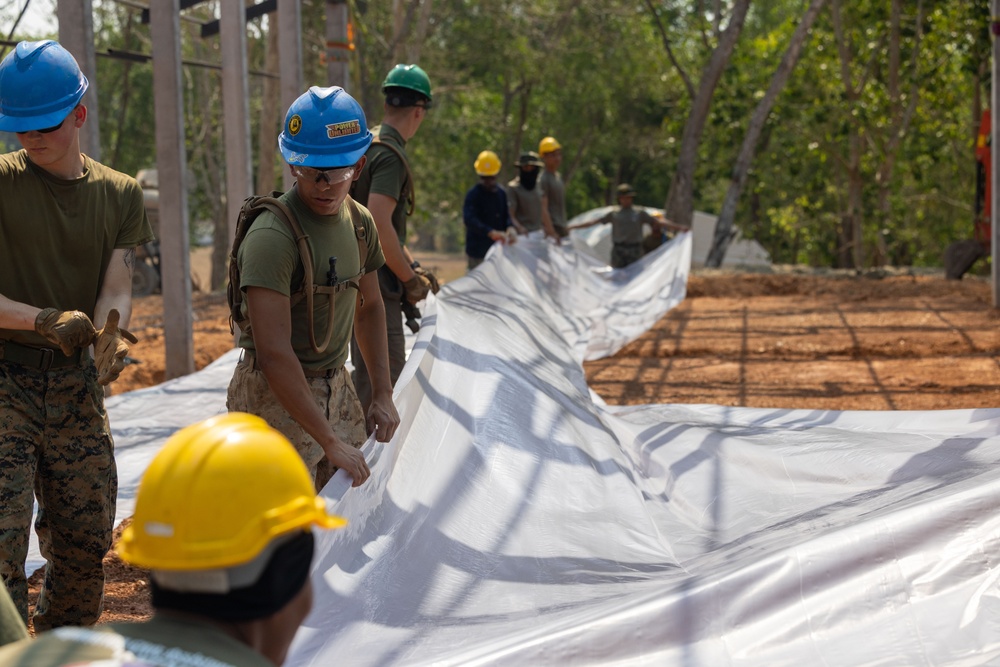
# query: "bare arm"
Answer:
x=550 y=229
x=16 y=315
x=369 y=331
x=584 y=225
x=397 y=258
x=116 y=290
x=271 y=321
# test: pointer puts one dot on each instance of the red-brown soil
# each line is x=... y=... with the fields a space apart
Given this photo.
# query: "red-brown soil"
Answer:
x=759 y=340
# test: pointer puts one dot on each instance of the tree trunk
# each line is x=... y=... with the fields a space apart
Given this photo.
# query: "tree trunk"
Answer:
x=724 y=226
x=680 y=198
x=900 y=118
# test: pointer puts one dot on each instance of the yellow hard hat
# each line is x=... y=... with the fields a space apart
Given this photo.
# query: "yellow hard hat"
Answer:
x=217 y=494
x=548 y=145
x=487 y=164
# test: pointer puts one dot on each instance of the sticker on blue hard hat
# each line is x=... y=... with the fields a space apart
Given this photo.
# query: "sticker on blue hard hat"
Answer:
x=294 y=124
x=343 y=129
x=297 y=157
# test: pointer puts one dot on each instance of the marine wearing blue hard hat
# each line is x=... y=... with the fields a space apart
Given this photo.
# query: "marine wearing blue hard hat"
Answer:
x=324 y=127
x=40 y=84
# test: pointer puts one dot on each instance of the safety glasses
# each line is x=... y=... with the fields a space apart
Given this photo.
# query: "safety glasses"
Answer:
x=49 y=130
x=332 y=175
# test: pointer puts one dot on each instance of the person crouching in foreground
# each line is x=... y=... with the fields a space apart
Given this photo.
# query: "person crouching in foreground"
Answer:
x=223 y=520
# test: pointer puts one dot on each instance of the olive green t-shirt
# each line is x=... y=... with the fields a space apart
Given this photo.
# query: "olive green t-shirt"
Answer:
x=384 y=174
x=551 y=186
x=626 y=224
x=12 y=628
x=57 y=236
x=159 y=642
x=525 y=205
x=269 y=257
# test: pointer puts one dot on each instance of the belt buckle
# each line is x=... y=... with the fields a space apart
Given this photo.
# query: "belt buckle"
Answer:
x=47 y=357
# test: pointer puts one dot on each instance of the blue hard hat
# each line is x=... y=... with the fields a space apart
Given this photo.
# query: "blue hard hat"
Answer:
x=324 y=127
x=40 y=84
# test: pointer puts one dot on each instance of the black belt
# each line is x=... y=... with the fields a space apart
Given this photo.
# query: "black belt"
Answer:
x=39 y=358
x=251 y=361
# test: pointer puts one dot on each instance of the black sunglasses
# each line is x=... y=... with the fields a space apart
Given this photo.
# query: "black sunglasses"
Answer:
x=48 y=130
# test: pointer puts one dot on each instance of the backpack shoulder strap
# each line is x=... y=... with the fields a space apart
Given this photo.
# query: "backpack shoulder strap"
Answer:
x=409 y=190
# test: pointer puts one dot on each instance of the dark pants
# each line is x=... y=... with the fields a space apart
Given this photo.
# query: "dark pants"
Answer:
x=392 y=299
x=623 y=254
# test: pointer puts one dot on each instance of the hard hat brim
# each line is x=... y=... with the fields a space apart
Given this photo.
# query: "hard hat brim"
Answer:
x=10 y=123
x=299 y=155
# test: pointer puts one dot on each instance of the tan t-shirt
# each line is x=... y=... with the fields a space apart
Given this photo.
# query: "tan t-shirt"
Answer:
x=551 y=186
x=57 y=236
x=525 y=205
x=626 y=224
x=269 y=257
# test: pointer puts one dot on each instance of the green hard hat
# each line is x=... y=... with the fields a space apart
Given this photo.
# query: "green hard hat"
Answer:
x=410 y=77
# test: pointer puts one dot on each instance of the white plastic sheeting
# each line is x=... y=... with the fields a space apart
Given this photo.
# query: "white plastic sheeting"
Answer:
x=517 y=520
x=596 y=241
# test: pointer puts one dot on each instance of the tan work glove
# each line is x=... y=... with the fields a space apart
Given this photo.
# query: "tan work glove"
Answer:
x=110 y=349
x=68 y=329
x=421 y=271
x=417 y=288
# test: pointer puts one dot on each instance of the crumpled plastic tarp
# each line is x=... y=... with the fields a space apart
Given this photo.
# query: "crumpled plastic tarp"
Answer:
x=516 y=519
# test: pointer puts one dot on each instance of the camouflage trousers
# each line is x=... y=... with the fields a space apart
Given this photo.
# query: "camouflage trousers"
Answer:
x=335 y=396
x=623 y=254
x=56 y=447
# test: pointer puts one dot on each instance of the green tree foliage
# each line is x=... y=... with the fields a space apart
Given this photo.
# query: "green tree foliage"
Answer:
x=597 y=75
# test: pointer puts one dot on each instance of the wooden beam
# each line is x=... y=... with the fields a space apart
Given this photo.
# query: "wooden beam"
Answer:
x=171 y=158
x=290 y=60
x=338 y=44
x=76 y=34
x=236 y=109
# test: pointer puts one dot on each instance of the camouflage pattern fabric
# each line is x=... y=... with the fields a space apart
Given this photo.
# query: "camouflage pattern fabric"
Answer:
x=55 y=445
x=623 y=254
x=249 y=392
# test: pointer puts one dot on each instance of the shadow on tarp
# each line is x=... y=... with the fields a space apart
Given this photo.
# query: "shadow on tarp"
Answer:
x=516 y=521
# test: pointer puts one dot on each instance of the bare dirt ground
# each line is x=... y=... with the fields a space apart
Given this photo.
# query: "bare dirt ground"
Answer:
x=791 y=340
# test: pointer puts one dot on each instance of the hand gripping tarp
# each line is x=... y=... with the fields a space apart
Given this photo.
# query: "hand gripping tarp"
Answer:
x=517 y=520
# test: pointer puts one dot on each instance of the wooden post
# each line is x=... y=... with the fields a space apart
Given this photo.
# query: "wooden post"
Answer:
x=290 y=60
x=236 y=109
x=338 y=46
x=171 y=158
x=76 y=34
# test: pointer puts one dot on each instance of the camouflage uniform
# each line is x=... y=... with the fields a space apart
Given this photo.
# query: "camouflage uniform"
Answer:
x=335 y=396
x=269 y=257
x=57 y=239
x=45 y=440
